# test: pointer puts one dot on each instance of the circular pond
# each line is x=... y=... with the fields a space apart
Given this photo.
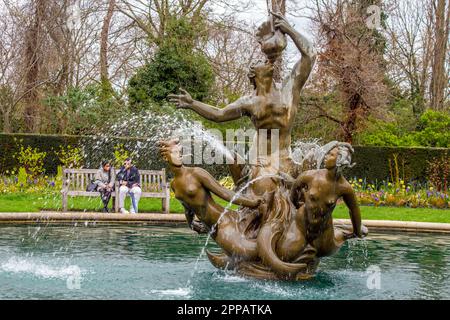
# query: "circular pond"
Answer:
x=154 y=262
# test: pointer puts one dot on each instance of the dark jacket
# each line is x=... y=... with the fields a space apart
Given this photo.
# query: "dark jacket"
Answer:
x=132 y=176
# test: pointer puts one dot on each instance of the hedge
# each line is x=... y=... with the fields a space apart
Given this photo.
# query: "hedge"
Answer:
x=372 y=162
x=95 y=149
x=377 y=163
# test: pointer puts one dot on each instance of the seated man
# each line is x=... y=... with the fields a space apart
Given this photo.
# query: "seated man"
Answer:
x=129 y=180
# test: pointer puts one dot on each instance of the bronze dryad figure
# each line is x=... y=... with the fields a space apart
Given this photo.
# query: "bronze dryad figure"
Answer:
x=193 y=188
x=284 y=223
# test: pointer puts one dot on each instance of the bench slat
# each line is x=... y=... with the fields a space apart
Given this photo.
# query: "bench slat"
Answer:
x=145 y=184
x=83 y=193
x=84 y=171
x=153 y=195
x=67 y=171
x=150 y=172
x=86 y=193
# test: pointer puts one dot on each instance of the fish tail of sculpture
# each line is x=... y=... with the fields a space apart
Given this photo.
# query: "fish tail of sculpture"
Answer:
x=246 y=249
x=242 y=247
x=220 y=260
x=279 y=212
x=266 y=240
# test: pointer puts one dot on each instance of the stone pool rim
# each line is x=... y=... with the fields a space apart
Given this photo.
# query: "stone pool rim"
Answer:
x=180 y=219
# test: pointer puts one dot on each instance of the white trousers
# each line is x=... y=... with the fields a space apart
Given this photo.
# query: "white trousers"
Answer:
x=134 y=193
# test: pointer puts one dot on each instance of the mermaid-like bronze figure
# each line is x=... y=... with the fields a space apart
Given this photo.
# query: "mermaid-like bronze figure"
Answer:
x=315 y=193
x=194 y=187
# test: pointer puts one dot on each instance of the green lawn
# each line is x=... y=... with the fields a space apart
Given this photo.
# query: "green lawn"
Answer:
x=34 y=203
x=397 y=213
x=20 y=202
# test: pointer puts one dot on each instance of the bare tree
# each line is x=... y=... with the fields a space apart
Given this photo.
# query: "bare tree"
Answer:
x=21 y=62
x=153 y=16
x=8 y=62
x=440 y=76
x=33 y=60
x=230 y=48
x=349 y=64
x=409 y=51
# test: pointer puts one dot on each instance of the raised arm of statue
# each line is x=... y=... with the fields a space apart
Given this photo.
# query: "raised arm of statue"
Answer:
x=232 y=111
x=303 y=67
x=213 y=186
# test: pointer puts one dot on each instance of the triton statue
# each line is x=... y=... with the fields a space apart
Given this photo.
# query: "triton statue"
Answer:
x=284 y=223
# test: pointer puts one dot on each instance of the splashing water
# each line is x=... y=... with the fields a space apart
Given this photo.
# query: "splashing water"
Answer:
x=147 y=128
x=180 y=292
x=38 y=269
x=307 y=151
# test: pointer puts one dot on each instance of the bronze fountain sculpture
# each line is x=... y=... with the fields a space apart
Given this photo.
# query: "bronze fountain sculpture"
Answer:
x=284 y=223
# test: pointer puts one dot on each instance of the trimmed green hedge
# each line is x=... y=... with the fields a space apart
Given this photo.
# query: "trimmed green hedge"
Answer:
x=371 y=162
x=95 y=150
x=10 y=144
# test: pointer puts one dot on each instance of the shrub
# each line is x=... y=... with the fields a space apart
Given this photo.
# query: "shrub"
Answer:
x=80 y=110
x=176 y=64
x=433 y=131
x=22 y=177
x=70 y=157
x=439 y=172
x=31 y=159
x=58 y=181
x=120 y=155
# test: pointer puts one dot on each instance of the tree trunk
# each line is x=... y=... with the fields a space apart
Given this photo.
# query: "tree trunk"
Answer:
x=61 y=35
x=439 y=78
x=104 y=77
x=7 y=128
x=349 y=125
x=33 y=62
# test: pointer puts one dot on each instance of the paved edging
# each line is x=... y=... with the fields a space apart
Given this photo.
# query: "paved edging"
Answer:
x=161 y=218
x=405 y=226
x=62 y=217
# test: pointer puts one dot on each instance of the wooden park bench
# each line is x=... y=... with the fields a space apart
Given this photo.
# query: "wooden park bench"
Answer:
x=153 y=184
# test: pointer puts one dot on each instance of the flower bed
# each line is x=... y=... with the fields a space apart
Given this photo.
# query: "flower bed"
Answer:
x=400 y=194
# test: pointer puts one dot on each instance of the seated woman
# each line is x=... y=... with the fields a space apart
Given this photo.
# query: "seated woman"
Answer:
x=193 y=187
x=315 y=194
x=104 y=180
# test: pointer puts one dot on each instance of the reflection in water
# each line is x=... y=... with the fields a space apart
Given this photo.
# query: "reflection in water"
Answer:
x=148 y=262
